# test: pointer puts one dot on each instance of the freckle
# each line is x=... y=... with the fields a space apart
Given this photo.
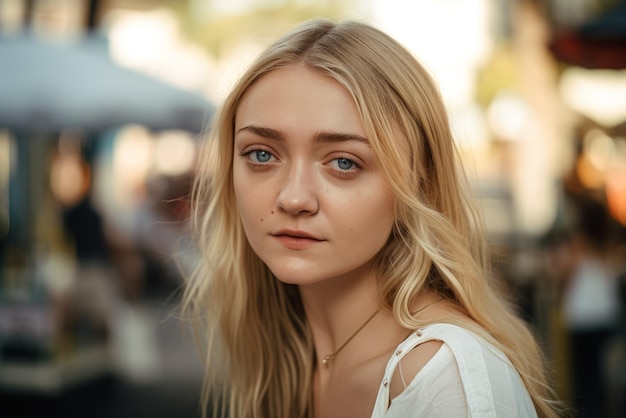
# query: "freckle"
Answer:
x=261 y=219
x=272 y=212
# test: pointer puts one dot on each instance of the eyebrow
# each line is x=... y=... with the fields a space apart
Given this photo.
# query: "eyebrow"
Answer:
x=320 y=137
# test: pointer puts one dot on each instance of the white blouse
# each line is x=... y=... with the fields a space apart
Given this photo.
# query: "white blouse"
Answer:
x=467 y=377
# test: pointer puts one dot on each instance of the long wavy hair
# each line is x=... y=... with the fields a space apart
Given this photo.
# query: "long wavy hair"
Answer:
x=258 y=346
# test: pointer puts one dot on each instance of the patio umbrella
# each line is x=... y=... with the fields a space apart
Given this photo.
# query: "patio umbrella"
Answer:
x=46 y=85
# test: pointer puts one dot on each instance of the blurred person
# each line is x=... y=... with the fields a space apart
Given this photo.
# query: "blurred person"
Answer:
x=85 y=226
x=342 y=269
x=591 y=306
x=87 y=308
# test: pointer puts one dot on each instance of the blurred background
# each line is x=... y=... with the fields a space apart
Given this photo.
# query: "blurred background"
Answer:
x=104 y=102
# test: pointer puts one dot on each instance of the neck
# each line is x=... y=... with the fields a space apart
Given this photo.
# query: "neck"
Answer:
x=336 y=308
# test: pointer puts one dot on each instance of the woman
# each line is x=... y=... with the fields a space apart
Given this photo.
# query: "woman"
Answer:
x=341 y=271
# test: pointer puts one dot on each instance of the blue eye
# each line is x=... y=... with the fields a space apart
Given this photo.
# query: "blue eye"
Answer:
x=260 y=156
x=345 y=164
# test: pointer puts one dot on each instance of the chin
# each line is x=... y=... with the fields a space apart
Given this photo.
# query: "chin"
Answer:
x=292 y=271
x=300 y=276
x=295 y=279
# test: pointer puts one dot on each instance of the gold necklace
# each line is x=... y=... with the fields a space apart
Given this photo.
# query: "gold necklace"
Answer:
x=329 y=357
x=428 y=305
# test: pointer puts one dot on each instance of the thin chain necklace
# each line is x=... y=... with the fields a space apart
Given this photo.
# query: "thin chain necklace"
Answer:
x=329 y=357
x=428 y=305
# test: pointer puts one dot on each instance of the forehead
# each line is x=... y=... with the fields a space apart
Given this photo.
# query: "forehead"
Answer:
x=299 y=98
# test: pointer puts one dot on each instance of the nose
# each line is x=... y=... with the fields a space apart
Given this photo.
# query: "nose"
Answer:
x=298 y=194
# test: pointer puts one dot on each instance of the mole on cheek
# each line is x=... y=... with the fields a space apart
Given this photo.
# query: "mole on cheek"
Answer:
x=261 y=219
x=272 y=212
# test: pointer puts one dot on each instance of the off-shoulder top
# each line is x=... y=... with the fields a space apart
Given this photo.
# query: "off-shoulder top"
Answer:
x=467 y=377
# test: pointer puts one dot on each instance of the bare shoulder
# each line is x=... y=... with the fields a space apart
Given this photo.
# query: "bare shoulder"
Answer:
x=411 y=364
x=414 y=361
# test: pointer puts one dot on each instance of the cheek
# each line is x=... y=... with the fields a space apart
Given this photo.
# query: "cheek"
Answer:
x=384 y=217
x=379 y=226
x=371 y=221
x=244 y=195
x=253 y=202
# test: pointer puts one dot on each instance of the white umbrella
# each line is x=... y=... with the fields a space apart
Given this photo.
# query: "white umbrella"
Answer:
x=48 y=85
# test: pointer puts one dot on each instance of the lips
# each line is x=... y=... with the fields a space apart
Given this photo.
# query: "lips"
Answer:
x=295 y=239
x=296 y=234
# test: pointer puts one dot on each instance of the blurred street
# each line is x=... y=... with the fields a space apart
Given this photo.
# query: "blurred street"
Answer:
x=168 y=386
x=103 y=107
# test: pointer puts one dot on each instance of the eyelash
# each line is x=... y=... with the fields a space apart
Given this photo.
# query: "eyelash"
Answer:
x=356 y=166
x=249 y=151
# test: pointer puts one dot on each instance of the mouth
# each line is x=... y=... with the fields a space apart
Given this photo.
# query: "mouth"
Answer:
x=296 y=240
x=292 y=233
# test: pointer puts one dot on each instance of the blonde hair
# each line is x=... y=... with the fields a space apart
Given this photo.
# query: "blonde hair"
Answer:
x=259 y=350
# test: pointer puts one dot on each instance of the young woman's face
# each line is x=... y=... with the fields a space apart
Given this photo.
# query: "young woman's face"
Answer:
x=313 y=203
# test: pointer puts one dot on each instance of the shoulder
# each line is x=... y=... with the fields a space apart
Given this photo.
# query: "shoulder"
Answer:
x=463 y=349
x=453 y=362
x=411 y=364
